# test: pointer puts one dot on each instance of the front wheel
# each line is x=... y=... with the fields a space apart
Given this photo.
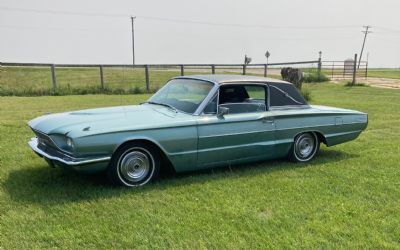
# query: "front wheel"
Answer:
x=134 y=164
x=304 y=147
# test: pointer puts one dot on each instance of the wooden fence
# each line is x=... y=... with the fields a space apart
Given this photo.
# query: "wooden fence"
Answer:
x=181 y=68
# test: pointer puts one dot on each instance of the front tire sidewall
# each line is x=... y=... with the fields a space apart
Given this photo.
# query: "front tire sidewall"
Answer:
x=114 y=169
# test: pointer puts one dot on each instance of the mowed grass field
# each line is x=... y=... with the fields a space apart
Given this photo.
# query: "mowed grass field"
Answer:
x=384 y=73
x=348 y=197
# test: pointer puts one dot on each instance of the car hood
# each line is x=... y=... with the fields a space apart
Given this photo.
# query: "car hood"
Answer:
x=110 y=119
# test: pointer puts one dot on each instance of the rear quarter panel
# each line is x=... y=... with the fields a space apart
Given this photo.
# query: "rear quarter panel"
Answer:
x=335 y=125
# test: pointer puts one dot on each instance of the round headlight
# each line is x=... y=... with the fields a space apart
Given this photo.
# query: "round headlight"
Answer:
x=70 y=143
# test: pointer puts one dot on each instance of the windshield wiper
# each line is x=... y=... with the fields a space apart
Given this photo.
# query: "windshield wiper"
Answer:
x=162 y=104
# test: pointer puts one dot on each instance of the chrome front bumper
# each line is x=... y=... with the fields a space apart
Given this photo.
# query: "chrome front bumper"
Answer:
x=63 y=158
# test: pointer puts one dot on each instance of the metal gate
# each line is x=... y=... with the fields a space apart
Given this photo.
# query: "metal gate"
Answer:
x=337 y=70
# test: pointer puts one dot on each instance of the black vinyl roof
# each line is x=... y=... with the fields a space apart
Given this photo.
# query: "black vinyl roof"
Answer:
x=218 y=79
x=282 y=93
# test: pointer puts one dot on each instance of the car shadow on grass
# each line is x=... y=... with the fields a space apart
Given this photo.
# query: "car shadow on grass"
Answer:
x=47 y=187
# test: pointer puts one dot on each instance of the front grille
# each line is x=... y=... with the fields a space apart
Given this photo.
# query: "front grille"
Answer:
x=46 y=144
x=44 y=141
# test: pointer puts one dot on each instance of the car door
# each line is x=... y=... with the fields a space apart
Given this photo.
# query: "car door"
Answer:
x=245 y=134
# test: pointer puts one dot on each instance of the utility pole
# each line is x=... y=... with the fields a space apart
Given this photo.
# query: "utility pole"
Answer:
x=133 y=40
x=366 y=32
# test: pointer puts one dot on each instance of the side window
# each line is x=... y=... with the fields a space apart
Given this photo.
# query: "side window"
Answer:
x=246 y=98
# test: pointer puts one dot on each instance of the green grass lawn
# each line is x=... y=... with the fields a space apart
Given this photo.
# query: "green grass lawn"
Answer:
x=348 y=197
x=384 y=73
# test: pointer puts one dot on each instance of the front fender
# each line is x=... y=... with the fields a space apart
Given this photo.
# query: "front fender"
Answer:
x=178 y=144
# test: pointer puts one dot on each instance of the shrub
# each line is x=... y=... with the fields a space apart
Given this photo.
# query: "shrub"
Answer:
x=350 y=84
x=313 y=77
x=137 y=90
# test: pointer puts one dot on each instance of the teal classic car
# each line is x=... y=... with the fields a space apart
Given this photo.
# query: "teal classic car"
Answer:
x=194 y=122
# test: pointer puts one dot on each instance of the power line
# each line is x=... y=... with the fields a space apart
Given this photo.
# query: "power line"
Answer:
x=63 y=12
x=387 y=29
x=246 y=25
x=58 y=28
x=185 y=21
x=185 y=34
x=366 y=32
x=120 y=15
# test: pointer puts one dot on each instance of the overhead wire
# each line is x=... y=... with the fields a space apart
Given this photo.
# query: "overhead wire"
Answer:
x=381 y=29
x=184 y=21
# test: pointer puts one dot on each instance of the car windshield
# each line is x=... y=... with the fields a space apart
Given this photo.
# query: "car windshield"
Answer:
x=182 y=94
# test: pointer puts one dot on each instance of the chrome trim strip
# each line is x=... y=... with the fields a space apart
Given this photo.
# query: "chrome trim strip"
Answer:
x=289 y=107
x=264 y=143
x=343 y=133
x=306 y=127
x=317 y=126
x=238 y=133
x=264 y=81
x=74 y=162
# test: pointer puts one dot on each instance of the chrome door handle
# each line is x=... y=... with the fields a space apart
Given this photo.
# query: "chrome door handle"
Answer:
x=267 y=119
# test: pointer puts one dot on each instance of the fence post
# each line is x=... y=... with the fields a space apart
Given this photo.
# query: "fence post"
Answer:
x=319 y=66
x=354 y=70
x=53 y=76
x=366 y=70
x=182 y=70
x=244 y=69
x=101 y=77
x=213 y=69
x=265 y=70
x=146 y=71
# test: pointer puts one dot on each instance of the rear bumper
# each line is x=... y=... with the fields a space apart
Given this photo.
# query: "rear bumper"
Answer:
x=63 y=158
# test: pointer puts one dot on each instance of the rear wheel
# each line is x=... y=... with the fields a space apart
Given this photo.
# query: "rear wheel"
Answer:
x=304 y=147
x=134 y=164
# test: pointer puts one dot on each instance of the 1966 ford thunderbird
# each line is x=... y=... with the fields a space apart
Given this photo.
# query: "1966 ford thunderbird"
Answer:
x=194 y=122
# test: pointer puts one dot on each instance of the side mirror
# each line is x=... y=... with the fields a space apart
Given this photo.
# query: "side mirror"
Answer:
x=222 y=111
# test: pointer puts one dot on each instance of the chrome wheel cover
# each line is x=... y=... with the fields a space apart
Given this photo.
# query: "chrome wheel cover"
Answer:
x=305 y=146
x=134 y=166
